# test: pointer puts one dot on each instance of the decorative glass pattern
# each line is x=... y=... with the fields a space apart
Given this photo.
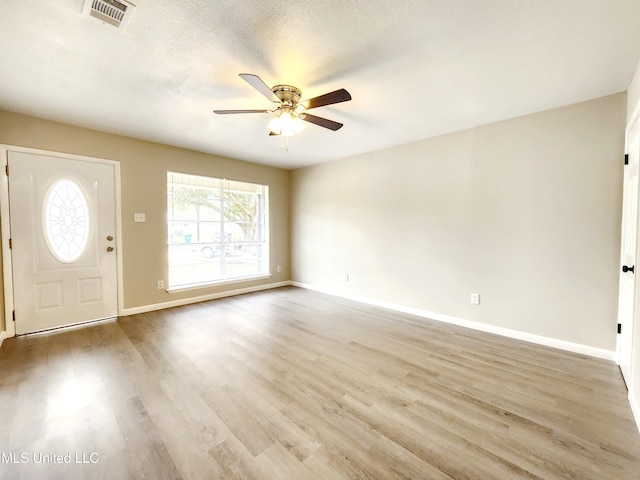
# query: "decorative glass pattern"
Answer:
x=66 y=220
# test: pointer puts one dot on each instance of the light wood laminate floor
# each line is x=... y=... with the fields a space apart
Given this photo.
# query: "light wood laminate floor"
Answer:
x=294 y=384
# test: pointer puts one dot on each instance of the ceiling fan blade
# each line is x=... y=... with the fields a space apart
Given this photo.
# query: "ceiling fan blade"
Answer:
x=227 y=112
x=323 y=122
x=327 y=99
x=257 y=83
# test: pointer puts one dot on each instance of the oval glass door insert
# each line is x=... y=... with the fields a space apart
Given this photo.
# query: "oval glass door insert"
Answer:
x=66 y=220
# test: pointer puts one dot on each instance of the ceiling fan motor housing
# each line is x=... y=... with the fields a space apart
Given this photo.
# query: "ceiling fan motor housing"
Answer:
x=288 y=95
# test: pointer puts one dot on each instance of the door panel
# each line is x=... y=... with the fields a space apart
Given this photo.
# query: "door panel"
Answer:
x=626 y=302
x=63 y=234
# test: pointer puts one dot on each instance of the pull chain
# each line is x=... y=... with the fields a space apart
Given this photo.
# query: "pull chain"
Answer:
x=285 y=142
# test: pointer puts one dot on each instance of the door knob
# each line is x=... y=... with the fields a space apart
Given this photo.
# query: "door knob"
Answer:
x=109 y=249
x=110 y=238
x=626 y=269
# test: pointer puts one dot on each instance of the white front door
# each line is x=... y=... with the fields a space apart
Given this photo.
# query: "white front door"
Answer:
x=62 y=215
x=629 y=269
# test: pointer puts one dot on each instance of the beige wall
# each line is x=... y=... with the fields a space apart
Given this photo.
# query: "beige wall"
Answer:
x=144 y=167
x=525 y=212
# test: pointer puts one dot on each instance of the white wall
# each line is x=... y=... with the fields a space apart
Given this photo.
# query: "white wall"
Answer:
x=633 y=94
x=525 y=212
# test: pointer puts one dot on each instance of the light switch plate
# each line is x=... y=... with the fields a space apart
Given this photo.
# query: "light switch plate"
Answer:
x=139 y=217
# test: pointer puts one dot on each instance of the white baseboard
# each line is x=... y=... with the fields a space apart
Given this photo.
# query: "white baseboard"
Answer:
x=3 y=335
x=505 y=332
x=202 y=298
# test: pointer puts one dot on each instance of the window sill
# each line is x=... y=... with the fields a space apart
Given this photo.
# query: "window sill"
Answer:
x=199 y=286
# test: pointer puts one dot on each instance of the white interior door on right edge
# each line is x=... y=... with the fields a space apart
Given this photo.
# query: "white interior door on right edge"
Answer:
x=628 y=268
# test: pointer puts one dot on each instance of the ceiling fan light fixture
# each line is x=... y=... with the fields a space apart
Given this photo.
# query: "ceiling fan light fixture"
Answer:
x=286 y=124
x=274 y=125
x=290 y=124
x=298 y=125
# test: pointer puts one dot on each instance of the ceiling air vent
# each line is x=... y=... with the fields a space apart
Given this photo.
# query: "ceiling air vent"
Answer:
x=114 y=12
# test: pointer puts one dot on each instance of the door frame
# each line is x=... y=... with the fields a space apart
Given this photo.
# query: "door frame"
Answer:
x=5 y=234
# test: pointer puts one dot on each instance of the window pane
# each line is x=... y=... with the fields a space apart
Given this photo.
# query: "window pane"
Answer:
x=217 y=229
x=66 y=220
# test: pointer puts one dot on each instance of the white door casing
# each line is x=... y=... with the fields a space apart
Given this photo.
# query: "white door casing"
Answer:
x=626 y=301
x=63 y=230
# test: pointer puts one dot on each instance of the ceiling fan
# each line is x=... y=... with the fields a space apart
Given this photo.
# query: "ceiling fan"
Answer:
x=289 y=110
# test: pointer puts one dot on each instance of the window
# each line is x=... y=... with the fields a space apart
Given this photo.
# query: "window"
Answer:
x=217 y=230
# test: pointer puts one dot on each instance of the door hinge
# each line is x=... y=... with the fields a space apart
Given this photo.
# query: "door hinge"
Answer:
x=626 y=159
x=619 y=328
x=14 y=315
x=10 y=244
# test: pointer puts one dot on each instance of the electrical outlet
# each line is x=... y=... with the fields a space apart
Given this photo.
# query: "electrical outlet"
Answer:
x=475 y=299
x=278 y=269
x=160 y=284
x=346 y=277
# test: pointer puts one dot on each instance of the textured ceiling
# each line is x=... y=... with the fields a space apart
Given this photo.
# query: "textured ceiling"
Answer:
x=415 y=69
